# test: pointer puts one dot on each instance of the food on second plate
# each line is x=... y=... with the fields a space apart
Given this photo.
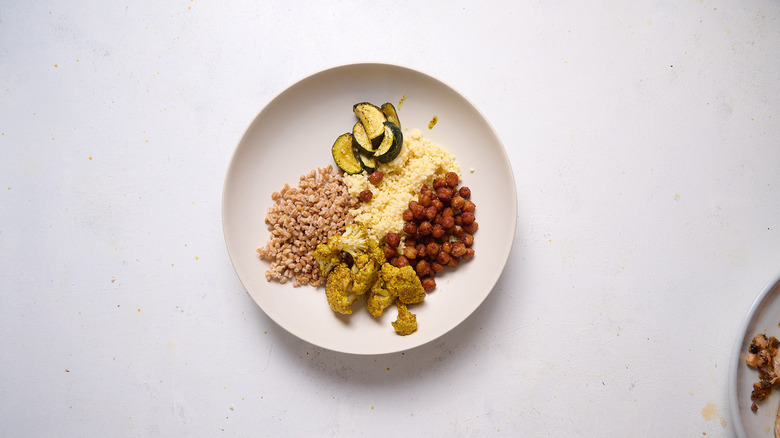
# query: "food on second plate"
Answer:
x=299 y=219
x=762 y=355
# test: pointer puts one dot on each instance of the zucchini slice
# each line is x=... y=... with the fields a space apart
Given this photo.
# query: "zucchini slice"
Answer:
x=371 y=117
x=344 y=154
x=389 y=111
x=368 y=162
x=361 y=140
x=391 y=143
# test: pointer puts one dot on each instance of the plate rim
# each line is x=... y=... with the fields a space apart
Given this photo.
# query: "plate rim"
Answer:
x=736 y=352
x=278 y=95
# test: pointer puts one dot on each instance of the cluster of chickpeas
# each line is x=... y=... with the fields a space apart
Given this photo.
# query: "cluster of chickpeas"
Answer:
x=439 y=230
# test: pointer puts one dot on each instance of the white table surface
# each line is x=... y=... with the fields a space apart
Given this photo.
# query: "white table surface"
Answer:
x=645 y=143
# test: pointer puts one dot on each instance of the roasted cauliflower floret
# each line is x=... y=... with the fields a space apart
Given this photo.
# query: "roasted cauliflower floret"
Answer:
x=406 y=323
x=327 y=258
x=338 y=289
x=379 y=299
x=404 y=282
x=364 y=273
x=376 y=252
x=353 y=240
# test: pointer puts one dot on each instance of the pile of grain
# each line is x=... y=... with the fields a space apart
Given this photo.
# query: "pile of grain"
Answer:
x=419 y=162
x=300 y=219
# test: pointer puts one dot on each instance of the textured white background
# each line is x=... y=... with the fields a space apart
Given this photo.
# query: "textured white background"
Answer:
x=645 y=141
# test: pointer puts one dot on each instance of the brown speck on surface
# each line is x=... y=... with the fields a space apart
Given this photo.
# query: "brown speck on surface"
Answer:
x=55 y=65
x=67 y=371
x=90 y=158
x=433 y=121
x=139 y=310
x=196 y=257
x=676 y=196
x=388 y=368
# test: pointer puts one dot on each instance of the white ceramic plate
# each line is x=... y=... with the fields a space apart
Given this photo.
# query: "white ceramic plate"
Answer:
x=294 y=133
x=763 y=317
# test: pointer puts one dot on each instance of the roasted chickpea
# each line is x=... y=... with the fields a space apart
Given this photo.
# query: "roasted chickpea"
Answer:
x=438 y=231
x=428 y=283
x=468 y=254
x=436 y=266
x=458 y=202
x=444 y=194
x=465 y=192
x=425 y=228
x=451 y=178
x=448 y=211
x=409 y=252
x=471 y=228
x=420 y=248
x=448 y=222
x=366 y=195
x=457 y=231
x=408 y=215
x=410 y=242
x=375 y=177
x=423 y=268
x=392 y=239
x=458 y=249
x=446 y=247
x=424 y=200
x=453 y=262
x=467 y=239
x=410 y=228
x=443 y=258
x=469 y=206
x=432 y=249
x=419 y=212
x=467 y=217
x=389 y=251
x=401 y=261
x=431 y=212
x=438 y=183
x=438 y=204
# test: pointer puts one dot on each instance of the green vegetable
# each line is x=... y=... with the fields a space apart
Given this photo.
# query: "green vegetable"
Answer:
x=391 y=143
x=389 y=111
x=344 y=154
x=360 y=139
x=368 y=162
x=371 y=117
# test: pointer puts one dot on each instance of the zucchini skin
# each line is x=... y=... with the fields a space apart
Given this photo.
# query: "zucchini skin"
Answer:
x=395 y=146
x=367 y=161
x=344 y=154
x=372 y=118
x=360 y=139
x=390 y=113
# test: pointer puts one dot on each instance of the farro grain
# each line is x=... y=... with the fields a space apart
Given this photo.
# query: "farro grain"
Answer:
x=299 y=219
